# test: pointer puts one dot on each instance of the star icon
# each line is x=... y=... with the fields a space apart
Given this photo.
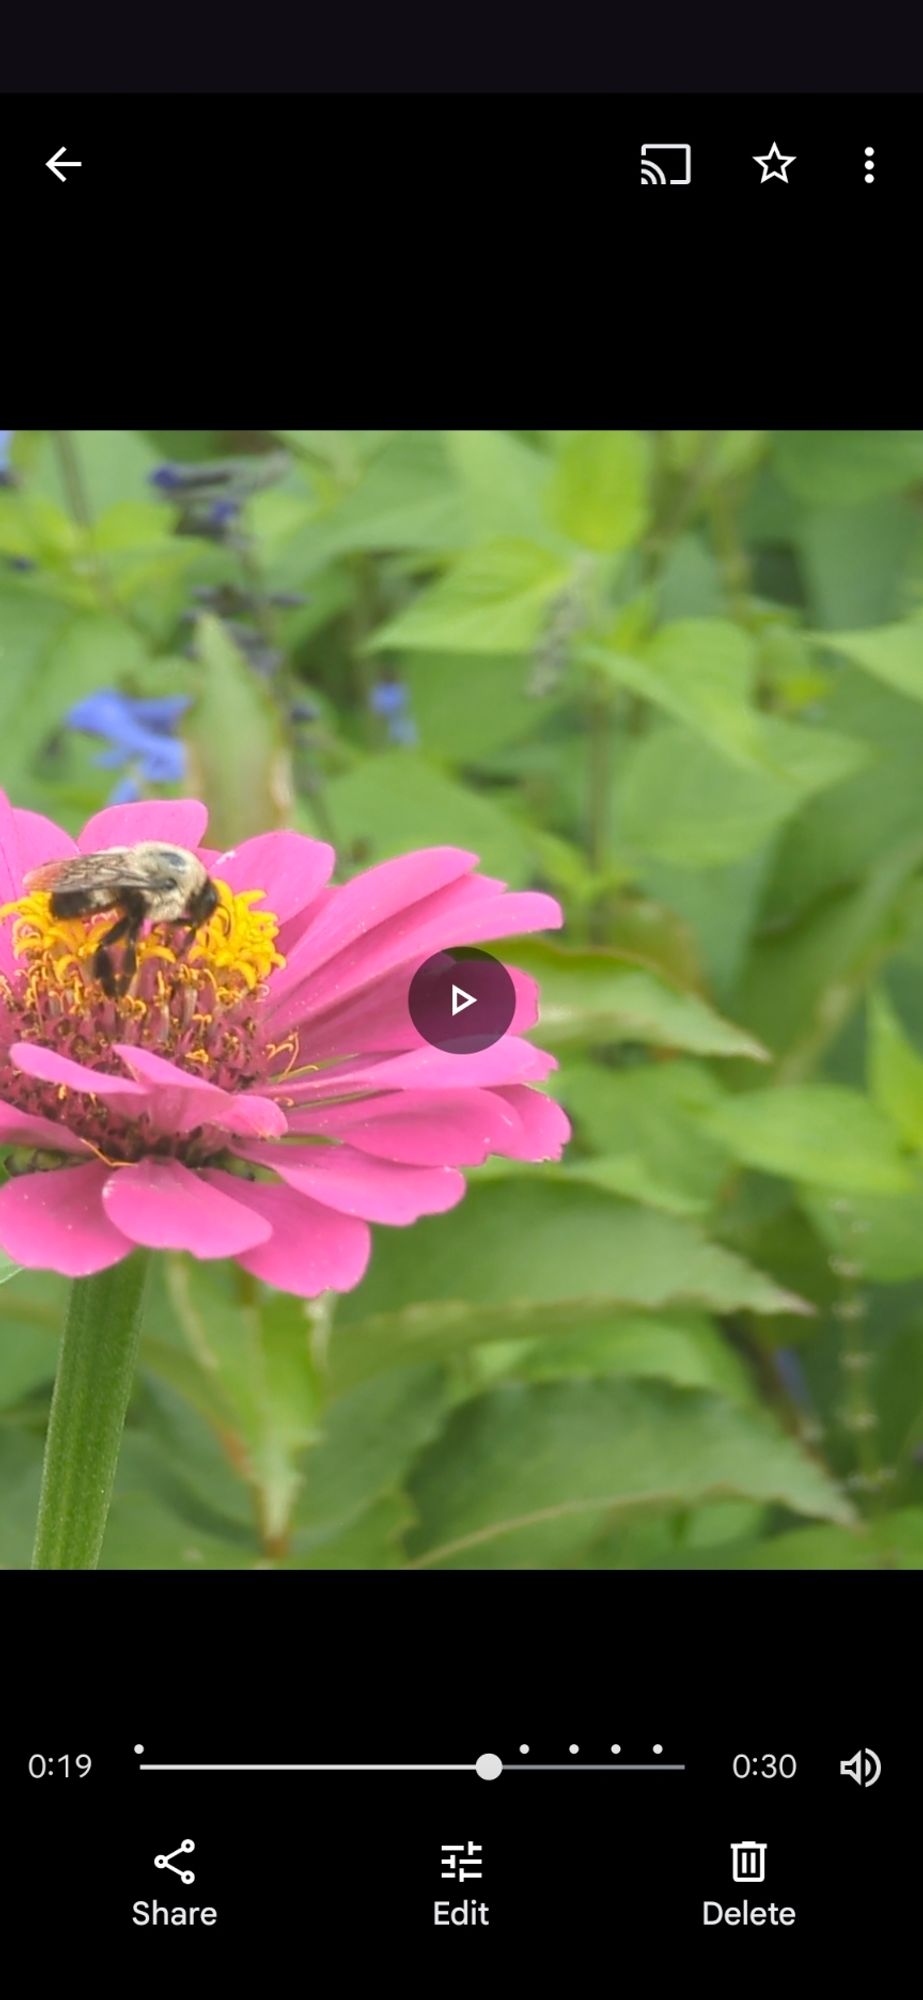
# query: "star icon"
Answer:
x=778 y=172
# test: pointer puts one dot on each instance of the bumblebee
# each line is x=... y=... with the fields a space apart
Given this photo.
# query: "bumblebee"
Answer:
x=147 y=883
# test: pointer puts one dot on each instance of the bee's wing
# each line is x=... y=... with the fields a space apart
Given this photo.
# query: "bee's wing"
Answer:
x=87 y=871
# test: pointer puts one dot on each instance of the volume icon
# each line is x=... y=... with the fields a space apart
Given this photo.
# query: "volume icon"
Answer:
x=864 y=1767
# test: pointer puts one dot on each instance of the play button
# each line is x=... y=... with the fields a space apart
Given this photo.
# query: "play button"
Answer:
x=461 y=981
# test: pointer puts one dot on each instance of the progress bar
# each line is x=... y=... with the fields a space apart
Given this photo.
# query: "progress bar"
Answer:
x=494 y=1764
x=307 y=1767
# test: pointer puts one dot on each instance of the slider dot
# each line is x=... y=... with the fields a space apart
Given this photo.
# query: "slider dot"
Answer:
x=488 y=1766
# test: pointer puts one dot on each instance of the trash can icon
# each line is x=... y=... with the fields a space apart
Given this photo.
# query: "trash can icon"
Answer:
x=748 y=1860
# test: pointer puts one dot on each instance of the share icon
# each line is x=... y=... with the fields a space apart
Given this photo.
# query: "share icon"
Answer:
x=166 y=1861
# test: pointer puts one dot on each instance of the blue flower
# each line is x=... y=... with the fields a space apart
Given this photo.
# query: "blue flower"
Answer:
x=391 y=700
x=792 y=1376
x=222 y=511
x=6 y=439
x=140 y=737
x=388 y=698
x=166 y=477
x=170 y=478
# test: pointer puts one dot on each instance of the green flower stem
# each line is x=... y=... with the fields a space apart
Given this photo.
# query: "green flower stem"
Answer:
x=96 y=1367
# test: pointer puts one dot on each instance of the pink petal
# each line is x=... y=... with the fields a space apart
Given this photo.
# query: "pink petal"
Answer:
x=509 y=1061
x=379 y=1021
x=162 y=1204
x=288 y=867
x=49 y=1067
x=345 y=1180
x=180 y=821
x=381 y=892
x=26 y=839
x=408 y=941
x=40 y=839
x=10 y=871
x=179 y=1101
x=22 y=1128
x=376 y=901
x=419 y=1128
x=312 y=1249
x=545 y=1127
x=56 y=1222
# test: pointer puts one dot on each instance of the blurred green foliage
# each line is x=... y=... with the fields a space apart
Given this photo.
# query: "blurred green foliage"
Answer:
x=676 y=678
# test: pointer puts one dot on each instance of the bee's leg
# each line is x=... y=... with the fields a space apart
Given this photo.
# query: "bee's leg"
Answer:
x=103 y=968
x=128 y=926
x=187 y=941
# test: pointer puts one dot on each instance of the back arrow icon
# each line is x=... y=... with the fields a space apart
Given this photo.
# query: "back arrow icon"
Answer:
x=56 y=163
x=461 y=999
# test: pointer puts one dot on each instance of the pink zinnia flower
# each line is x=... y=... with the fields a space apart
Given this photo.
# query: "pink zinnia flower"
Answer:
x=265 y=1095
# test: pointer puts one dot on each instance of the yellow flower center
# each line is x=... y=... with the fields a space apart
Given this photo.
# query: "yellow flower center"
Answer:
x=233 y=952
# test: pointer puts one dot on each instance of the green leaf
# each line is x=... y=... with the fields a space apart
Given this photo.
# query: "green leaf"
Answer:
x=582 y=1336
x=727 y=453
x=89 y=651
x=599 y=491
x=894 y=654
x=684 y=1348
x=374 y=1540
x=467 y=706
x=897 y=1392
x=370 y=1437
x=29 y=628
x=36 y=528
x=343 y=451
x=134 y=525
x=682 y=802
x=540 y=1239
x=689 y=584
x=407 y=498
x=158 y=1521
x=856 y=561
x=541 y=1466
x=895 y=1071
x=27 y=1357
x=821 y=1133
x=881 y=1235
x=504 y=484
x=700 y=670
x=249 y=1368
x=803 y=980
x=239 y=762
x=648 y=1123
x=7 y=1268
x=895 y=1541
x=844 y=832
x=493 y=600
x=20 y=1475
x=594 y=995
x=719 y=907
x=396 y=801
x=114 y=466
x=841 y=468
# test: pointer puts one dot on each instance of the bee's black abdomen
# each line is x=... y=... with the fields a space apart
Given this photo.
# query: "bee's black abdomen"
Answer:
x=72 y=902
